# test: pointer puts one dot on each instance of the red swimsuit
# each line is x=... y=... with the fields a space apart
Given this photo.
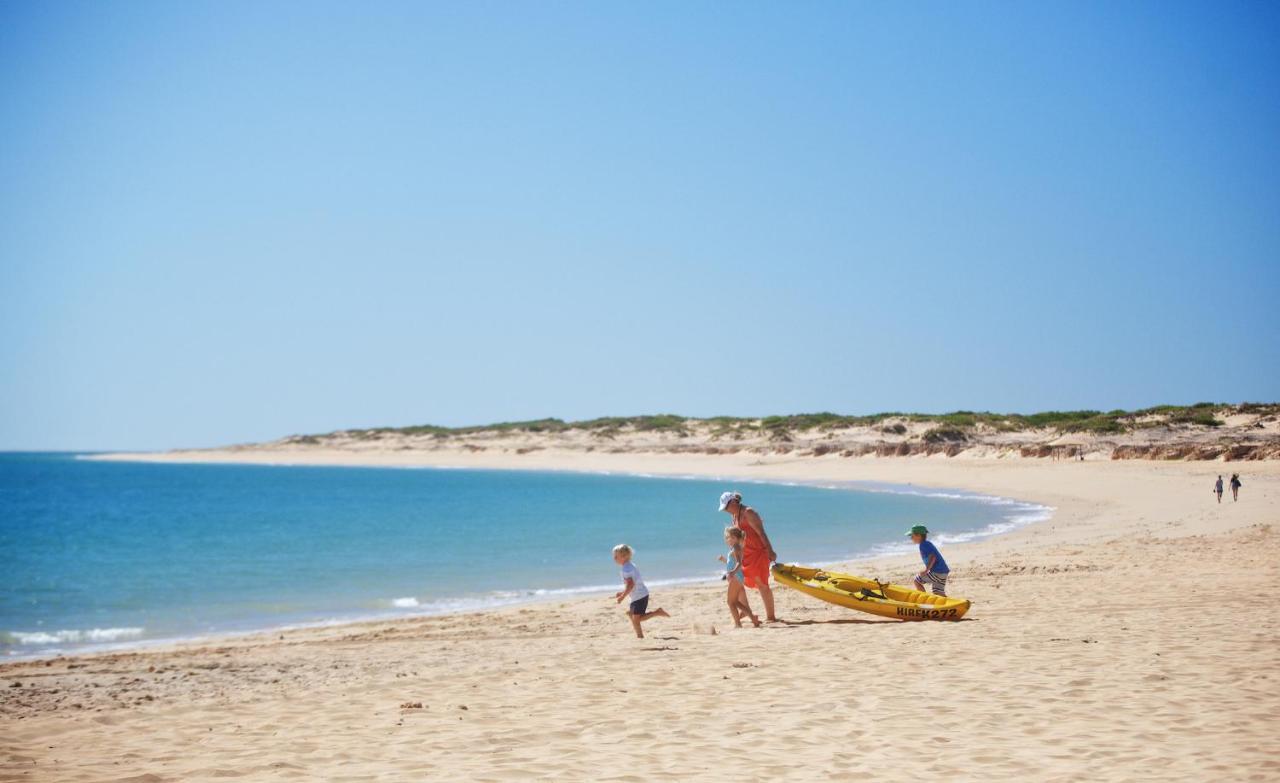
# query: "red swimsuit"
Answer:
x=755 y=558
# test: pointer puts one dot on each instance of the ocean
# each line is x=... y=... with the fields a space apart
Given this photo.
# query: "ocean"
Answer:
x=100 y=554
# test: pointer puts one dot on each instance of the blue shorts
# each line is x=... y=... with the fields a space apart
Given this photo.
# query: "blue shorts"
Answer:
x=640 y=606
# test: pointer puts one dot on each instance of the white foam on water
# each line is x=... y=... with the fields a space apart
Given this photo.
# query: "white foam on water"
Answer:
x=498 y=599
x=73 y=636
x=1020 y=515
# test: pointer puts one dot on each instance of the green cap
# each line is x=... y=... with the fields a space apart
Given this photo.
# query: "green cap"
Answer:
x=921 y=529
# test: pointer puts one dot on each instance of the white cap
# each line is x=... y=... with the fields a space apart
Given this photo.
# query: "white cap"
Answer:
x=728 y=497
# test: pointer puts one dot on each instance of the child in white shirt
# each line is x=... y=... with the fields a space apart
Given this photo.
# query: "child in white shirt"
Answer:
x=634 y=587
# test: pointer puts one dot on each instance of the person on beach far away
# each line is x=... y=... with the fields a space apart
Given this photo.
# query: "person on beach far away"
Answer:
x=757 y=551
x=737 y=593
x=935 y=571
x=633 y=587
x=1217 y=488
x=1235 y=486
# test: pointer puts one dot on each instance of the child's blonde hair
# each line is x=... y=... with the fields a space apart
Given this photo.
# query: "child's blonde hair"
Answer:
x=733 y=531
x=623 y=549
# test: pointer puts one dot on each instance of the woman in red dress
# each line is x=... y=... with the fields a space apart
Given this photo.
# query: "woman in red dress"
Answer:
x=757 y=552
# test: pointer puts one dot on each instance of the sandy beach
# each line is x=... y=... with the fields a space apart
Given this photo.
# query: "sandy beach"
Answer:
x=343 y=344
x=1124 y=639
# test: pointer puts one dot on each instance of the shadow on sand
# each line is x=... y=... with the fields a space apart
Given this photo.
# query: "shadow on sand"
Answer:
x=860 y=621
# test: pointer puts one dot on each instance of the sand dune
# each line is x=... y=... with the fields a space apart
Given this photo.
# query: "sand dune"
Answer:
x=1131 y=637
x=1246 y=432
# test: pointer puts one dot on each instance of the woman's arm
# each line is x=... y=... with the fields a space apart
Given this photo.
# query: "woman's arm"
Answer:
x=757 y=524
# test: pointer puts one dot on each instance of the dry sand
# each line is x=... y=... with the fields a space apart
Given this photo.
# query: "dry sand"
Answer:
x=1131 y=637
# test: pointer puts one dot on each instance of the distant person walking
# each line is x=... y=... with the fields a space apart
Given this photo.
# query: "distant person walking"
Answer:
x=1235 y=486
x=757 y=551
x=1217 y=488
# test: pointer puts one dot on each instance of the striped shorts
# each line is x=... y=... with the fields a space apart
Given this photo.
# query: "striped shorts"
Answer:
x=936 y=580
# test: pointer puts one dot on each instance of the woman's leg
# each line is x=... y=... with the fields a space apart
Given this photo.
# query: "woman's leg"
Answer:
x=756 y=571
x=766 y=595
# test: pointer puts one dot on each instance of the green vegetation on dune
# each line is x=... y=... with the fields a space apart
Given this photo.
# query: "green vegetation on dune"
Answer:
x=945 y=435
x=1102 y=423
x=1059 y=419
x=534 y=425
x=809 y=421
x=662 y=421
x=953 y=427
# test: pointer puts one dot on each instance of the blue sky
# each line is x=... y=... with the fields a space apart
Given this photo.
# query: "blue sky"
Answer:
x=223 y=222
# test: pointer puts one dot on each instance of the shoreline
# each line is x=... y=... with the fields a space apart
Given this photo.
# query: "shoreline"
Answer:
x=1123 y=604
x=532 y=597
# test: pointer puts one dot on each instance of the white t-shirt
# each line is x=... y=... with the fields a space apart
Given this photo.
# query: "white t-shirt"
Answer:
x=640 y=591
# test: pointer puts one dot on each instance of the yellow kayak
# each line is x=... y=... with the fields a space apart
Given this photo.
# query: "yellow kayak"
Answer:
x=868 y=595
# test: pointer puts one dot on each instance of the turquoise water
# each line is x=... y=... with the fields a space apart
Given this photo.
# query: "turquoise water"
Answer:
x=95 y=553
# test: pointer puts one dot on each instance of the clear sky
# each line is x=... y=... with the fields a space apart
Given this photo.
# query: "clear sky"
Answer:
x=232 y=221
